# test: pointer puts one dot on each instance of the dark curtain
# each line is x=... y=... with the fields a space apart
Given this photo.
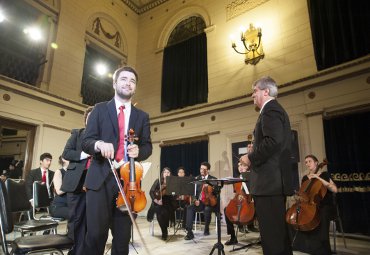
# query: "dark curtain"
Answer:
x=185 y=74
x=340 y=30
x=188 y=155
x=347 y=140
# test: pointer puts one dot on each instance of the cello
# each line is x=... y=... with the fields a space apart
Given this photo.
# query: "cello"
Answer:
x=131 y=173
x=304 y=214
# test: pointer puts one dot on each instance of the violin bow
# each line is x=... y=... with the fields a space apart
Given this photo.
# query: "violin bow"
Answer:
x=128 y=205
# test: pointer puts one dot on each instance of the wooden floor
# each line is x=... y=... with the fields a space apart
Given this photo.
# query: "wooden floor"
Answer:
x=201 y=245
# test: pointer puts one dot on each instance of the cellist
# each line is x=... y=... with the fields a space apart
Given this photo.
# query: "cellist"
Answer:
x=244 y=174
x=162 y=203
x=317 y=241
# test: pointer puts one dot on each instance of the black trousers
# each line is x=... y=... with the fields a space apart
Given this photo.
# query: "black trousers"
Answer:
x=102 y=214
x=270 y=212
x=77 y=219
x=190 y=213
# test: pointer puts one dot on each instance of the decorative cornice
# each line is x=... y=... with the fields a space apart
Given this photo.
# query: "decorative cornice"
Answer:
x=21 y=91
x=156 y=120
x=140 y=10
x=57 y=128
x=238 y=7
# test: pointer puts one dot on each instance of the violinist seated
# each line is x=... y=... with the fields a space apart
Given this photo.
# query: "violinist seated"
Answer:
x=162 y=203
x=244 y=174
x=205 y=201
x=317 y=241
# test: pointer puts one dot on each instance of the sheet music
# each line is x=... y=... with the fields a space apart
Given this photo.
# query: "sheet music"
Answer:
x=146 y=167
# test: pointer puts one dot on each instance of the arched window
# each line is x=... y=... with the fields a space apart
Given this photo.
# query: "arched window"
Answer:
x=104 y=54
x=185 y=72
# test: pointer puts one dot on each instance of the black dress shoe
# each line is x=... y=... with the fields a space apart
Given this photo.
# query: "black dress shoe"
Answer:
x=231 y=241
x=189 y=236
x=164 y=237
x=206 y=232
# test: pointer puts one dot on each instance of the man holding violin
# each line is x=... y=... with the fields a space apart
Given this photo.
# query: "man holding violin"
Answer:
x=204 y=201
x=104 y=139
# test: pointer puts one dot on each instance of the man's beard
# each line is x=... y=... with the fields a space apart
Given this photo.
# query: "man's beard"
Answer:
x=125 y=96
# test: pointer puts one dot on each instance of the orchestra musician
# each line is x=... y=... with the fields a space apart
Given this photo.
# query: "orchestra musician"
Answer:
x=244 y=174
x=183 y=200
x=104 y=138
x=163 y=204
x=199 y=202
x=317 y=240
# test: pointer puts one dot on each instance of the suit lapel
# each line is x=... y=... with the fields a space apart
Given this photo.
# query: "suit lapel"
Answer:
x=111 y=105
x=133 y=117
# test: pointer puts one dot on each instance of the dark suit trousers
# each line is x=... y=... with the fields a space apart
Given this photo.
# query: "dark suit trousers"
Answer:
x=102 y=214
x=190 y=213
x=270 y=212
x=77 y=218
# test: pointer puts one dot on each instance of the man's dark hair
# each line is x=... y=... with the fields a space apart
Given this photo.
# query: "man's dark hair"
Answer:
x=124 y=68
x=179 y=168
x=45 y=155
x=87 y=111
x=206 y=164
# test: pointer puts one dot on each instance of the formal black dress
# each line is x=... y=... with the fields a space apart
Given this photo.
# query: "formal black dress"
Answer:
x=317 y=241
x=164 y=212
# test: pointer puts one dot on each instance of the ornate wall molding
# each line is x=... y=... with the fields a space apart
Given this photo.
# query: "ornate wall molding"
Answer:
x=145 y=8
x=98 y=28
x=238 y=7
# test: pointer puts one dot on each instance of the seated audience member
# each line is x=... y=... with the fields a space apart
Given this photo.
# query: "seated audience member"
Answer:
x=42 y=174
x=59 y=207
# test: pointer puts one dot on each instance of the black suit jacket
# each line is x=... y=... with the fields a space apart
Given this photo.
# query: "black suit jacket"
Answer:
x=271 y=172
x=103 y=125
x=72 y=152
x=35 y=175
x=199 y=185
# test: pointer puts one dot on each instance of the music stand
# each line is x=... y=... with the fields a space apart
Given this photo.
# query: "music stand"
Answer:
x=218 y=184
x=178 y=186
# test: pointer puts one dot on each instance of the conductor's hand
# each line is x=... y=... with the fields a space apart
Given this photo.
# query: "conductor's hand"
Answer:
x=106 y=149
x=132 y=150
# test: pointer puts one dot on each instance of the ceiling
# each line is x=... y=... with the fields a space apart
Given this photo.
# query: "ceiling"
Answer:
x=141 y=6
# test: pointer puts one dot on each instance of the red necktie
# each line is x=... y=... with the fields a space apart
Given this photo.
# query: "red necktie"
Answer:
x=203 y=195
x=44 y=176
x=121 y=129
x=88 y=163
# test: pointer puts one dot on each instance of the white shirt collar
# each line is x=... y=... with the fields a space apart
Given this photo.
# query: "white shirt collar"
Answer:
x=265 y=104
x=119 y=104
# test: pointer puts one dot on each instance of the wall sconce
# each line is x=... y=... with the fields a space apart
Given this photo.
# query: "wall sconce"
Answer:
x=251 y=39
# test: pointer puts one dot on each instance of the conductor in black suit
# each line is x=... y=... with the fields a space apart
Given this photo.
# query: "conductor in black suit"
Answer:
x=73 y=185
x=270 y=161
x=104 y=137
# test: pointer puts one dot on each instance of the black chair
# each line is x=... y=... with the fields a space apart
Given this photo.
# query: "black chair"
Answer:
x=18 y=202
x=27 y=244
x=42 y=198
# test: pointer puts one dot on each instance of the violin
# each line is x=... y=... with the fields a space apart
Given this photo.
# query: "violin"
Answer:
x=240 y=209
x=131 y=174
x=304 y=214
x=158 y=194
x=209 y=198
